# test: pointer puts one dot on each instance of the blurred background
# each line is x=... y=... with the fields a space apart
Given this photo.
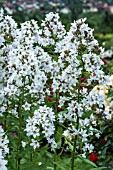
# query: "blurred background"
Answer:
x=99 y=14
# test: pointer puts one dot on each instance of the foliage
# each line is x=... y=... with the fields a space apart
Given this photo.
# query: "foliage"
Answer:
x=101 y=22
x=105 y=145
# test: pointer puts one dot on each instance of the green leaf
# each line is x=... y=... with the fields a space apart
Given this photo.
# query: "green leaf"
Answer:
x=63 y=112
x=88 y=161
x=23 y=161
x=86 y=74
x=49 y=154
x=100 y=168
x=50 y=168
x=108 y=143
x=60 y=166
x=104 y=151
x=58 y=137
x=83 y=84
x=110 y=94
x=70 y=146
x=87 y=114
x=43 y=150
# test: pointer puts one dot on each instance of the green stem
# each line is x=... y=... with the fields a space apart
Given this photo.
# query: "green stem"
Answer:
x=31 y=156
x=19 y=162
x=56 y=103
x=5 y=123
x=5 y=119
x=74 y=147
x=77 y=127
x=54 y=164
x=56 y=107
x=34 y=156
x=18 y=159
x=73 y=155
x=55 y=160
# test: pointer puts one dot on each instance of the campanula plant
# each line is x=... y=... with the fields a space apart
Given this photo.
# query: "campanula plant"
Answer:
x=48 y=104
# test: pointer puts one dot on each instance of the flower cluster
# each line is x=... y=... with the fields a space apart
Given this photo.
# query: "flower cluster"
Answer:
x=106 y=91
x=107 y=54
x=87 y=120
x=24 y=65
x=42 y=122
x=53 y=30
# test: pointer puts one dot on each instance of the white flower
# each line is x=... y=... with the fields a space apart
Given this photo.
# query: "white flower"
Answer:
x=23 y=144
x=26 y=106
x=84 y=135
x=52 y=142
x=40 y=163
x=67 y=133
x=97 y=135
x=34 y=143
x=3 y=164
x=111 y=104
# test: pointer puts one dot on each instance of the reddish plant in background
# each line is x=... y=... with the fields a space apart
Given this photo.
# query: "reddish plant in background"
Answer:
x=103 y=140
x=59 y=109
x=105 y=61
x=49 y=99
x=93 y=157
